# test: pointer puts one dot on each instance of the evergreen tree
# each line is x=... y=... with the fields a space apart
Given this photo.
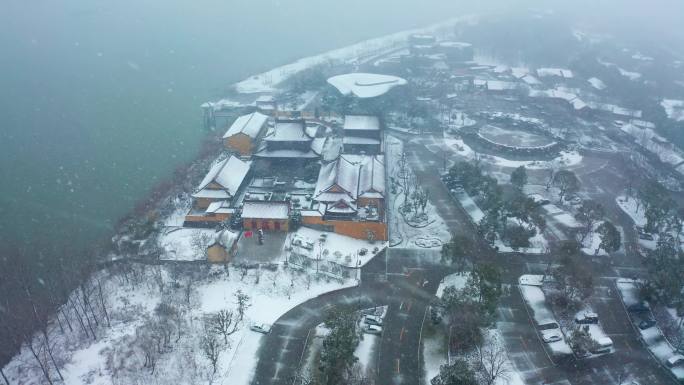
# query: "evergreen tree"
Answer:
x=519 y=177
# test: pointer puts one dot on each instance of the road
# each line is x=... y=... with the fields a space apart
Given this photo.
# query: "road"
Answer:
x=400 y=359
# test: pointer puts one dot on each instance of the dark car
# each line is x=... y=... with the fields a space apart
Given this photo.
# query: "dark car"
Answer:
x=638 y=308
x=647 y=323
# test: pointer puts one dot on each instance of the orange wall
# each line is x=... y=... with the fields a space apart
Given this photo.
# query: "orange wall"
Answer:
x=207 y=218
x=350 y=228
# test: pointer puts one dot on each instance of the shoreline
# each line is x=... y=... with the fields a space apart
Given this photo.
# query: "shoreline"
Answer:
x=268 y=81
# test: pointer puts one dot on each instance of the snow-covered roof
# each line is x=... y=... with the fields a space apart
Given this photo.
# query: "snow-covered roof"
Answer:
x=531 y=80
x=365 y=85
x=674 y=109
x=286 y=153
x=250 y=125
x=455 y=44
x=219 y=207
x=229 y=174
x=225 y=238
x=265 y=210
x=288 y=131
x=566 y=94
x=520 y=72
x=597 y=83
x=265 y=99
x=500 y=85
x=617 y=110
x=361 y=122
x=350 y=177
x=560 y=72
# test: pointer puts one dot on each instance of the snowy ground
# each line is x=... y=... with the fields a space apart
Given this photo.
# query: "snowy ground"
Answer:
x=177 y=243
x=591 y=245
x=633 y=208
x=340 y=249
x=430 y=234
x=117 y=354
x=457 y=280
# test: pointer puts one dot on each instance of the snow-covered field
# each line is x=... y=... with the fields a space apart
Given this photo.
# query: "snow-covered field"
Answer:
x=632 y=207
x=340 y=249
x=177 y=243
x=121 y=354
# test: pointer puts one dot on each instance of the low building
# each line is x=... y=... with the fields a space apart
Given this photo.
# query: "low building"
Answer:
x=243 y=135
x=266 y=215
x=224 y=247
x=350 y=193
x=215 y=194
x=287 y=143
x=266 y=104
x=362 y=135
x=456 y=51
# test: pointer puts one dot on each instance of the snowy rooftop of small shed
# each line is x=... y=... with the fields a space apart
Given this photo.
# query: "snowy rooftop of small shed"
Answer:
x=365 y=85
x=361 y=122
x=250 y=125
x=265 y=210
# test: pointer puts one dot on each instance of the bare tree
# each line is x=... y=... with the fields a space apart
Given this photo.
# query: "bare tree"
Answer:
x=200 y=241
x=225 y=323
x=492 y=363
x=242 y=301
x=211 y=349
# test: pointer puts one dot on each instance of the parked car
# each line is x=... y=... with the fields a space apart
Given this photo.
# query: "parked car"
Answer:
x=548 y=326
x=549 y=336
x=647 y=323
x=539 y=199
x=586 y=318
x=675 y=360
x=372 y=320
x=603 y=345
x=638 y=308
x=372 y=329
x=260 y=328
x=646 y=236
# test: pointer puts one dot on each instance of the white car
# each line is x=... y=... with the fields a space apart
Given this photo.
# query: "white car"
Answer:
x=260 y=328
x=549 y=336
x=372 y=320
x=675 y=360
x=372 y=329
